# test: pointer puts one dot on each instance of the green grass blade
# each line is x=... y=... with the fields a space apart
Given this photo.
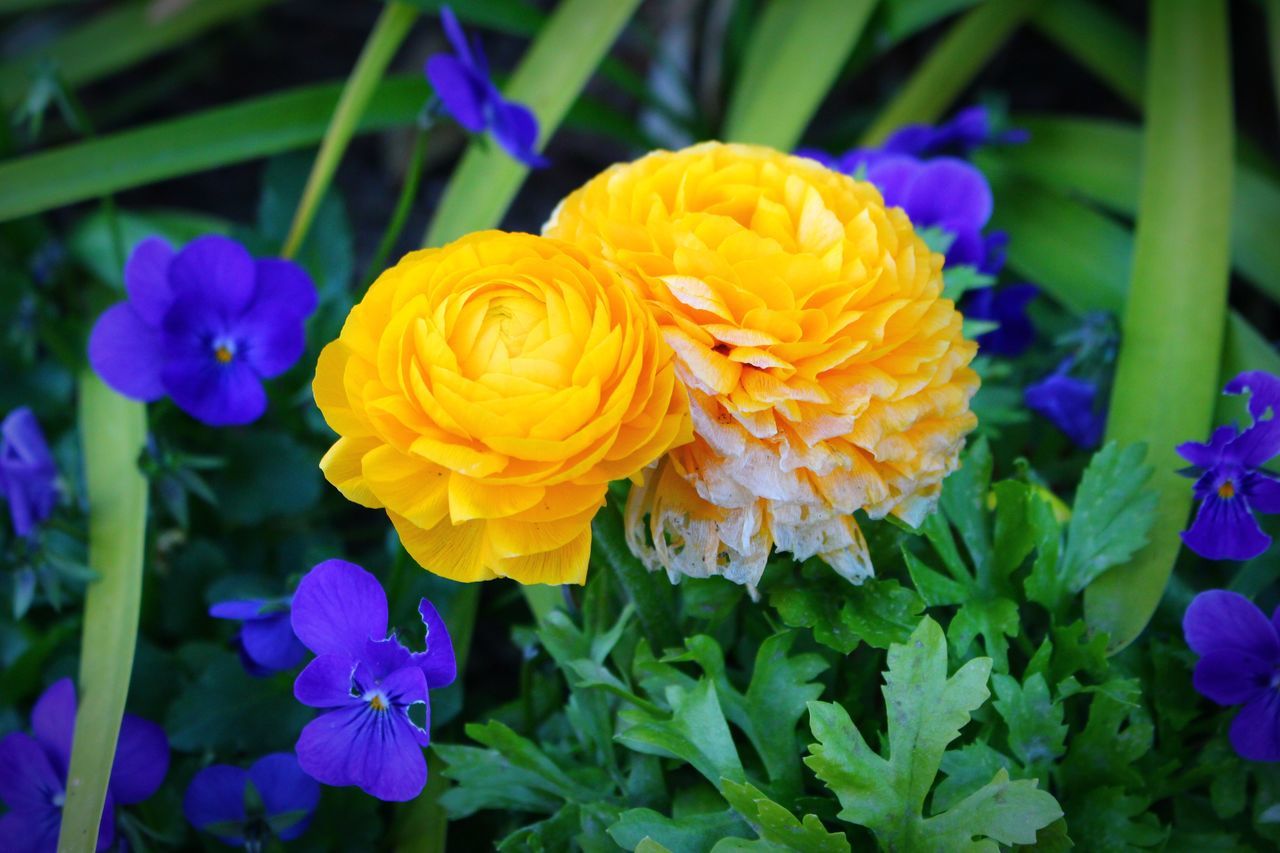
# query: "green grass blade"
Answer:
x=259 y=127
x=113 y=431
x=548 y=80
x=951 y=66
x=1099 y=41
x=1176 y=308
x=388 y=34
x=794 y=55
x=119 y=38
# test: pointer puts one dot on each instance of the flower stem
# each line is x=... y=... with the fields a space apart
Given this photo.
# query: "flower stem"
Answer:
x=559 y=62
x=951 y=66
x=388 y=33
x=1173 y=321
x=795 y=52
x=412 y=179
x=113 y=431
x=543 y=599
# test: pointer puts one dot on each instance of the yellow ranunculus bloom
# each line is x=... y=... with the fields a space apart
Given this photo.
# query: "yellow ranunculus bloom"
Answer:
x=487 y=392
x=826 y=373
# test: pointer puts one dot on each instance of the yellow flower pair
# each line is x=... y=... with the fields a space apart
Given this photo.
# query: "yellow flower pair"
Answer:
x=763 y=329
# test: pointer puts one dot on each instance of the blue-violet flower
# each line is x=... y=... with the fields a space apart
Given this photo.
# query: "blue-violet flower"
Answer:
x=1239 y=664
x=1006 y=306
x=204 y=325
x=285 y=799
x=33 y=772
x=1230 y=483
x=28 y=475
x=1072 y=404
x=265 y=640
x=366 y=681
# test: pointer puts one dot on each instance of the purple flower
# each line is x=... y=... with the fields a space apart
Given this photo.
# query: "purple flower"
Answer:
x=265 y=640
x=204 y=325
x=1239 y=664
x=366 y=681
x=28 y=476
x=1231 y=484
x=1071 y=404
x=461 y=81
x=969 y=129
x=215 y=801
x=33 y=772
x=1008 y=307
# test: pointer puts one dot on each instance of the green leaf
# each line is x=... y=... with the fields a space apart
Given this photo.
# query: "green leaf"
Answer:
x=964 y=502
x=1106 y=818
x=487 y=780
x=328 y=252
x=1037 y=734
x=781 y=687
x=1117 y=734
x=926 y=711
x=694 y=833
x=227 y=710
x=93 y=242
x=268 y=474
x=696 y=732
x=877 y=612
x=652 y=594
x=991 y=618
x=775 y=825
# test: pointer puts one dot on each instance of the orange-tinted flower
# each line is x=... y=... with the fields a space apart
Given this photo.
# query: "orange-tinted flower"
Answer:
x=486 y=393
x=825 y=371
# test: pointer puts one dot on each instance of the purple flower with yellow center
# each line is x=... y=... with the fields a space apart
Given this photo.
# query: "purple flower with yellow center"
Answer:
x=366 y=681
x=1239 y=664
x=1006 y=306
x=265 y=640
x=204 y=326
x=1072 y=404
x=28 y=475
x=33 y=772
x=461 y=81
x=1230 y=483
x=244 y=808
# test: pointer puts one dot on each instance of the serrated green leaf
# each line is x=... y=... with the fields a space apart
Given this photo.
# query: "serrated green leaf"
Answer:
x=935 y=588
x=993 y=619
x=877 y=612
x=689 y=834
x=1111 y=515
x=781 y=687
x=776 y=826
x=696 y=732
x=967 y=769
x=1037 y=735
x=964 y=501
x=1106 y=818
x=1001 y=811
x=1117 y=734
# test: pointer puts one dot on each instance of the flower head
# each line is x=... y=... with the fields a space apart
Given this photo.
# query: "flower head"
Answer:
x=1230 y=482
x=1239 y=664
x=28 y=475
x=461 y=80
x=204 y=325
x=1072 y=404
x=33 y=771
x=825 y=371
x=969 y=129
x=366 y=681
x=486 y=393
x=1006 y=306
x=285 y=796
x=265 y=640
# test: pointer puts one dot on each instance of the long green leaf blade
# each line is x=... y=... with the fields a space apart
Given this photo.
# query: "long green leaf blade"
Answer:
x=1173 y=322
x=1099 y=41
x=559 y=62
x=795 y=52
x=113 y=431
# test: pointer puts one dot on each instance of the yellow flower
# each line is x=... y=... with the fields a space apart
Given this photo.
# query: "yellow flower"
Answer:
x=486 y=393
x=826 y=373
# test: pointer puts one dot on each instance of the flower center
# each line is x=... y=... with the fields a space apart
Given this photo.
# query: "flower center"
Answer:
x=1227 y=490
x=224 y=350
x=377 y=701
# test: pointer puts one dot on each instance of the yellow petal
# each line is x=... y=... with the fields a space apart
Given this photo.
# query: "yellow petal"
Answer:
x=458 y=553
x=470 y=498
x=341 y=467
x=566 y=564
x=407 y=485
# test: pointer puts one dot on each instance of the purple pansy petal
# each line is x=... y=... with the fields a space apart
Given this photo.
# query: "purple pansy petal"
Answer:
x=967 y=248
x=284 y=788
x=1224 y=529
x=146 y=279
x=324 y=747
x=818 y=155
x=270 y=642
x=1263 y=492
x=272 y=347
x=1230 y=678
x=216 y=796
x=24 y=443
x=127 y=353
x=1206 y=455
x=456 y=35
x=1008 y=307
x=216 y=394
x=326 y=682
x=380 y=659
x=53 y=720
x=1263 y=390
x=241 y=610
x=337 y=608
x=282 y=289
x=894 y=176
x=950 y=190
x=218 y=269
x=515 y=127
x=28 y=779
x=375 y=750
x=461 y=93
x=141 y=762
x=405 y=686
x=1070 y=404
x=1255 y=732
x=33 y=831
x=913 y=139
x=438 y=662
x=1219 y=620
x=994 y=251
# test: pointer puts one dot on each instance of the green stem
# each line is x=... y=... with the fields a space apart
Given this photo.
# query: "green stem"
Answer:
x=408 y=191
x=388 y=33
x=1099 y=41
x=559 y=62
x=113 y=431
x=543 y=600
x=1173 y=321
x=951 y=66
x=795 y=53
